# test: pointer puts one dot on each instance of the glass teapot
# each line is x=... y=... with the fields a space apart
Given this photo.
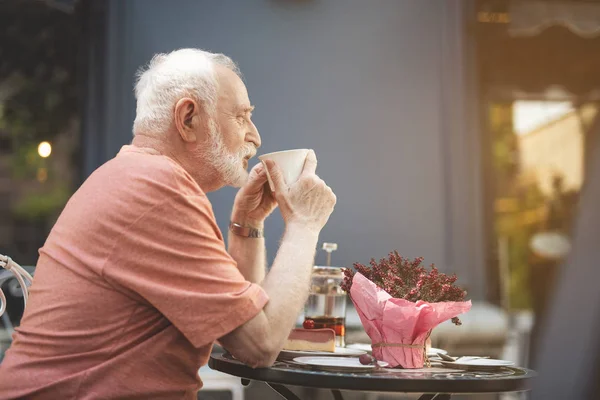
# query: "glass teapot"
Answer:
x=326 y=305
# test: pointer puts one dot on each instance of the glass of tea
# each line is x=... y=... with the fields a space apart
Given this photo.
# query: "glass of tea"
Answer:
x=326 y=305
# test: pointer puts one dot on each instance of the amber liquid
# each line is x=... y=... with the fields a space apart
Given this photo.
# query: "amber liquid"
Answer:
x=338 y=324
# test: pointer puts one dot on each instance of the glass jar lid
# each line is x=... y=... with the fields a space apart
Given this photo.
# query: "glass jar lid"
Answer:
x=328 y=272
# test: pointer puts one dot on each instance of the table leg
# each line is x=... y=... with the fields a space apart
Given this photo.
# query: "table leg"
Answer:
x=283 y=391
x=435 y=396
x=337 y=395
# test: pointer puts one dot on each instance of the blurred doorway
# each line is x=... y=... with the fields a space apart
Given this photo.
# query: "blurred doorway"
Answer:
x=540 y=92
x=537 y=156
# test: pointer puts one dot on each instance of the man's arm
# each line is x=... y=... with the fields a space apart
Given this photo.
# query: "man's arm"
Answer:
x=258 y=342
x=253 y=204
x=249 y=253
x=305 y=208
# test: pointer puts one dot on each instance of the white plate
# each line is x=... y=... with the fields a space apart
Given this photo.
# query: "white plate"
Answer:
x=432 y=352
x=337 y=363
x=339 y=352
x=484 y=363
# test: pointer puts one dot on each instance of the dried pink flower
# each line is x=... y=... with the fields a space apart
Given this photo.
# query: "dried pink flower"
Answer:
x=408 y=280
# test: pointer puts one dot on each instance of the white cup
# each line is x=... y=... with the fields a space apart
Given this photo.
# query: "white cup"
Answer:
x=290 y=162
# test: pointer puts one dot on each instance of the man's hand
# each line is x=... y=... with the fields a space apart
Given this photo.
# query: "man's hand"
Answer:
x=307 y=202
x=254 y=202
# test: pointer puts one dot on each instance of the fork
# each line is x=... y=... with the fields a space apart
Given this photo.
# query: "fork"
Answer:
x=446 y=357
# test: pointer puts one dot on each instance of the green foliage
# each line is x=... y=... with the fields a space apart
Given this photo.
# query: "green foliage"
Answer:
x=504 y=145
x=525 y=199
x=25 y=162
x=35 y=206
x=38 y=61
x=39 y=100
x=519 y=283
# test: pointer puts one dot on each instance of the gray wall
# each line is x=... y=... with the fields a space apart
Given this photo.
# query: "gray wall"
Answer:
x=367 y=84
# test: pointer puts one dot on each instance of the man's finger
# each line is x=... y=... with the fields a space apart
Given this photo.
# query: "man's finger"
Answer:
x=310 y=163
x=257 y=177
x=257 y=170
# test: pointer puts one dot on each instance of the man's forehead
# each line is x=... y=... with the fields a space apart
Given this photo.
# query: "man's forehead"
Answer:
x=231 y=87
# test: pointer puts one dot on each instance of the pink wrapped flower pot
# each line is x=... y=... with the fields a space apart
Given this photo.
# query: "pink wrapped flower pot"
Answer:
x=398 y=328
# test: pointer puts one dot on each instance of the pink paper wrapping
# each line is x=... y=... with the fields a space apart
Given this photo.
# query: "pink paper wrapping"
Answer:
x=390 y=320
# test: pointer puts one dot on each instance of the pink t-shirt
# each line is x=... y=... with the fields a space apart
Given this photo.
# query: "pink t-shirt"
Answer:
x=132 y=287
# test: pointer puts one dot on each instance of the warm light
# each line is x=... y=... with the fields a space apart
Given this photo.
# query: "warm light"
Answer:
x=44 y=149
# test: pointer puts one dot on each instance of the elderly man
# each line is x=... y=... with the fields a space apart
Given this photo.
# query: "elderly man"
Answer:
x=134 y=284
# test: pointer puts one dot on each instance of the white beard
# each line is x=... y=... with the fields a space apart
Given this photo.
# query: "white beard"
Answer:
x=229 y=166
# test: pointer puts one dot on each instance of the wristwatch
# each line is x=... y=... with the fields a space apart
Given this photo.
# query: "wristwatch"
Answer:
x=246 y=231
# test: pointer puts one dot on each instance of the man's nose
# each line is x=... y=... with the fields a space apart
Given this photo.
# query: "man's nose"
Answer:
x=253 y=136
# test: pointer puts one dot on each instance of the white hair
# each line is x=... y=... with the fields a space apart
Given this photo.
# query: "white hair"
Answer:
x=170 y=77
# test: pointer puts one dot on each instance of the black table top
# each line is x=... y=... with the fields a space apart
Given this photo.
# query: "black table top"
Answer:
x=384 y=380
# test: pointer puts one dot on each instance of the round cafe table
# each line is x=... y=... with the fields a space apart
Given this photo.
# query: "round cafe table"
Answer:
x=438 y=383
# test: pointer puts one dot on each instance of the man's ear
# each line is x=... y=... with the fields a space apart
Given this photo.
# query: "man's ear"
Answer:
x=189 y=116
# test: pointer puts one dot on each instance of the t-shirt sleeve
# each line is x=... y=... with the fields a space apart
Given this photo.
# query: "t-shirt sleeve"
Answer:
x=174 y=257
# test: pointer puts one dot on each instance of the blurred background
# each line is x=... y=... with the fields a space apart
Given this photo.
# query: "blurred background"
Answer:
x=456 y=130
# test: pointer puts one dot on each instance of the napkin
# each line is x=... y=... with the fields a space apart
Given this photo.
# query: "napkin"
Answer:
x=394 y=324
